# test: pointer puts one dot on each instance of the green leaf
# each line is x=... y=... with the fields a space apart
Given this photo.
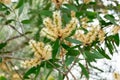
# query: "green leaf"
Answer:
x=56 y=48
x=9 y=21
x=0 y=59
x=69 y=60
x=72 y=52
x=66 y=19
x=102 y=22
x=50 y=64
x=27 y=21
x=89 y=57
x=77 y=1
x=60 y=76
x=111 y=18
x=3 y=7
x=50 y=71
x=37 y=35
x=70 y=7
x=79 y=13
x=73 y=40
x=45 y=12
x=2 y=78
x=84 y=70
x=95 y=68
x=72 y=33
x=65 y=46
x=37 y=71
x=116 y=39
x=7 y=12
x=109 y=46
x=20 y=10
x=32 y=70
x=90 y=14
x=96 y=55
x=2 y=45
x=20 y=3
x=101 y=51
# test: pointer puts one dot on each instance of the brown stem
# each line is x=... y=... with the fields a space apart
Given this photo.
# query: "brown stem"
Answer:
x=19 y=32
x=55 y=67
x=11 y=57
x=67 y=77
x=71 y=73
x=15 y=37
x=16 y=70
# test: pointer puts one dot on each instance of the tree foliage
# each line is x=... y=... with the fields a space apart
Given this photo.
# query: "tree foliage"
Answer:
x=62 y=34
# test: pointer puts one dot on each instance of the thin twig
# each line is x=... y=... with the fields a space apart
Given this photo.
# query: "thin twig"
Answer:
x=15 y=37
x=14 y=50
x=19 y=32
x=55 y=67
x=71 y=73
x=17 y=18
x=16 y=70
x=67 y=77
x=7 y=66
x=73 y=64
x=11 y=57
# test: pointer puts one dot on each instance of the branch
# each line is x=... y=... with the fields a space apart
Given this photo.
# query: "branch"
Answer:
x=11 y=57
x=16 y=70
x=55 y=67
x=19 y=32
x=71 y=73
x=18 y=36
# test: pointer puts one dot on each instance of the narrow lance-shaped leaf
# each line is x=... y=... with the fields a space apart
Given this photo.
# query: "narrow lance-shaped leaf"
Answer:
x=37 y=71
x=95 y=67
x=0 y=59
x=89 y=57
x=27 y=21
x=2 y=45
x=72 y=52
x=69 y=60
x=73 y=40
x=65 y=46
x=97 y=55
x=56 y=48
x=84 y=70
x=90 y=14
x=2 y=78
x=109 y=46
x=29 y=72
x=45 y=12
x=102 y=22
x=20 y=3
x=111 y=18
x=21 y=10
x=48 y=74
x=70 y=7
x=101 y=50
x=116 y=39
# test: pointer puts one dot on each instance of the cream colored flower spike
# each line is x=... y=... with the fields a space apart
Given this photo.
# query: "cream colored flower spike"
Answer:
x=57 y=19
x=41 y=52
x=116 y=29
x=58 y=3
x=53 y=30
x=5 y=1
x=86 y=1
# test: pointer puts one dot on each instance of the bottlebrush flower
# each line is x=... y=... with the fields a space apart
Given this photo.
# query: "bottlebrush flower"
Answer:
x=54 y=30
x=5 y=1
x=41 y=52
x=116 y=29
x=92 y=35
